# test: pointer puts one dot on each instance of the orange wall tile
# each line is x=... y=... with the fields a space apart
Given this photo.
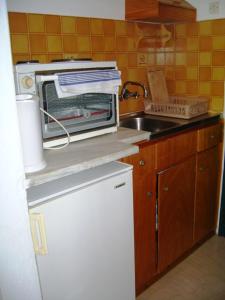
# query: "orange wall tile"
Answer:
x=191 y=55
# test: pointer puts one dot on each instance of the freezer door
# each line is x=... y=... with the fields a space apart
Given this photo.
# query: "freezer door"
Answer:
x=90 y=247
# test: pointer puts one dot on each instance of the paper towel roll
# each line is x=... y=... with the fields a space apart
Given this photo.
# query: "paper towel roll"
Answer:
x=30 y=131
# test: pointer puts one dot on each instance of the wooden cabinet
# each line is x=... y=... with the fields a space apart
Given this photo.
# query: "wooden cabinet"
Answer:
x=176 y=187
x=175 y=149
x=206 y=193
x=175 y=192
x=160 y=10
x=144 y=183
x=209 y=137
x=206 y=180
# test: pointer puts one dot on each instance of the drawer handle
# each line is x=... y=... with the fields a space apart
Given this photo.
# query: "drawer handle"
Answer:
x=141 y=162
x=165 y=189
x=212 y=136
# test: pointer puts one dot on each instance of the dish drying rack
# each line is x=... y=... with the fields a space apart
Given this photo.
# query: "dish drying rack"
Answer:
x=185 y=107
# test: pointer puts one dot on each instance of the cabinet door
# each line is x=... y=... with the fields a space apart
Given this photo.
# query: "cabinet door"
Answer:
x=144 y=186
x=176 y=187
x=206 y=193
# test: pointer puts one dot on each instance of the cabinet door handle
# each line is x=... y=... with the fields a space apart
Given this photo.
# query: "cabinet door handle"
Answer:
x=165 y=189
x=149 y=194
x=141 y=162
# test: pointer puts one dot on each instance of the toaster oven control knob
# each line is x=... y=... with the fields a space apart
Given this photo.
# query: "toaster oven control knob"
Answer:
x=27 y=82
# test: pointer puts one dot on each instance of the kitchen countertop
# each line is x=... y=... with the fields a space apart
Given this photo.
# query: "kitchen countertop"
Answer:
x=86 y=154
x=93 y=152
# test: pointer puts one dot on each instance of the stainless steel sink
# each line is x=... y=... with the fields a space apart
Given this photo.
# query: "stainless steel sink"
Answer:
x=146 y=123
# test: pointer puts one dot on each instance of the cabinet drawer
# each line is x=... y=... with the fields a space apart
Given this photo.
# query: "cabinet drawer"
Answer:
x=144 y=161
x=175 y=149
x=209 y=137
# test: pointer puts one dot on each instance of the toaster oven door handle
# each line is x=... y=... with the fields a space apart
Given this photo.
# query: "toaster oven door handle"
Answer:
x=42 y=78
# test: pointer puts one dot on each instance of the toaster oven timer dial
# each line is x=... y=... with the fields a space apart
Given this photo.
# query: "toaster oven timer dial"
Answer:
x=27 y=82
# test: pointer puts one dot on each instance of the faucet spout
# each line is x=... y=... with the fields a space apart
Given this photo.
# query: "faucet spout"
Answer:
x=125 y=93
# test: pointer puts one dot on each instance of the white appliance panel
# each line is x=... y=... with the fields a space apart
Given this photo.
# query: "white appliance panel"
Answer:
x=90 y=243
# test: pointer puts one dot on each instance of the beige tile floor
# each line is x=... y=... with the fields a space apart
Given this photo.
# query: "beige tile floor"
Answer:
x=201 y=276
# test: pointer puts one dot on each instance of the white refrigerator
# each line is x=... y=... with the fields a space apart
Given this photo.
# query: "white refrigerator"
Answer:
x=82 y=228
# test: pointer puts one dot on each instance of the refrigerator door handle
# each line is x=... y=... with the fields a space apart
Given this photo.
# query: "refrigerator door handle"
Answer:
x=37 y=224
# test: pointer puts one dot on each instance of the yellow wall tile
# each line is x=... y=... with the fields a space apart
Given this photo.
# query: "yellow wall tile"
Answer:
x=205 y=43
x=130 y=29
x=192 y=87
x=53 y=24
x=180 y=87
x=180 y=73
x=216 y=104
x=205 y=28
x=131 y=44
x=110 y=43
x=20 y=43
x=122 y=44
x=54 y=43
x=181 y=30
x=18 y=22
x=205 y=73
x=205 y=58
x=218 y=58
x=132 y=74
x=122 y=60
x=38 y=43
x=180 y=59
x=98 y=56
x=69 y=43
x=205 y=88
x=83 y=43
x=96 y=26
x=68 y=24
x=192 y=29
x=109 y=27
x=20 y=57
x=192 y=44
x=218 y=73
x=97 y=43
x=217 y=88
x=192 y=73
x=218 y=42
x=54 y=56
x=42 y=58
x=132 y=59
x=36 y=23
x=83 y=26
x=121 y=29
x=192 y=58
x=218 y=27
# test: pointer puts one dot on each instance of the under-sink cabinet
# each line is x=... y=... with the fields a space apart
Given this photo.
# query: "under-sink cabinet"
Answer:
x=175 y=184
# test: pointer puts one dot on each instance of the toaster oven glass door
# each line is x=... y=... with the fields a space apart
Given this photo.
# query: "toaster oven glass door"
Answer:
x=78 y=114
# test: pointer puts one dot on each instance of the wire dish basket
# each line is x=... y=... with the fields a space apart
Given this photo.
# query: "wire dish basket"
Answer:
x=178 y=107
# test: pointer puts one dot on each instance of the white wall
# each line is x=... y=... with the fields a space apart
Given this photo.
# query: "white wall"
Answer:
x=108 y=9
x=18 y=271
x=203 y=9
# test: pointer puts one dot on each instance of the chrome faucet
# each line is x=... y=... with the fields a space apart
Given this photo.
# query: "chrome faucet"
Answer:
x=125 y=93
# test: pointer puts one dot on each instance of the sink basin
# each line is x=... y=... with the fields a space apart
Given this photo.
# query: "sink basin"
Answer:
x=154 y=126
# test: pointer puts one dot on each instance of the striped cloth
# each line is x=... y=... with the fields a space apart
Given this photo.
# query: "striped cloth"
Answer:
x=94 y=81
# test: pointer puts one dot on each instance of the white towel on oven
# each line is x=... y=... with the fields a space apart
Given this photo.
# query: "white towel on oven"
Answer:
x=93 y=81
